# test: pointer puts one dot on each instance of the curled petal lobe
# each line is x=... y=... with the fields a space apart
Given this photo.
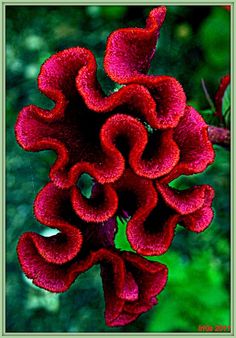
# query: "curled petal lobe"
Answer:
x=129 y=51
x=200 y=219
x=192 y=138
x=169 y=97
x=51 y=208
x=159 y=157
x=54 y=277
x=55 y=208
x=75 y=142
x=196 y=150
x=127 y=134
x=127 y=59
x=151 y=227
x=49 y=276
x=57 y=249
x=152 y=236
x=135 y=97
x=137 y=195
x=123 y=303
x=133 y=279
x=124 y=133
x=184 y=201
x=159 y=99
x=139 y=266
x=98 y=208
x=71 y=133
x=57 y=77
x=33 y=134
x=130 y=290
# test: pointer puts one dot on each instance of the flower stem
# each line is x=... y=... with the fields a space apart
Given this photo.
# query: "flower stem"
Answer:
x=209 y=100
x=220 y=136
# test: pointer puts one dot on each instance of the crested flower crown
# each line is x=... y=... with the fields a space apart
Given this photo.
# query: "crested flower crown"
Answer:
x=132 y=143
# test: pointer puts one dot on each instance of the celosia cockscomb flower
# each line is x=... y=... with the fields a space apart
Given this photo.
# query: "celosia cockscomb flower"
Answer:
x=133 y=143
x=131 y=283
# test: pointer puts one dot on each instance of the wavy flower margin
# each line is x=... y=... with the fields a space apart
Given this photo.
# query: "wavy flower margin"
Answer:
x=133 y=143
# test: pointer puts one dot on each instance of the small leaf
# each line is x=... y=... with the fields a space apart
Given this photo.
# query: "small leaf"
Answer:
x=150 y=130
x=117 y=88
x=226 y=107
x=121 y=241
x=85 y=184
x=214 y=35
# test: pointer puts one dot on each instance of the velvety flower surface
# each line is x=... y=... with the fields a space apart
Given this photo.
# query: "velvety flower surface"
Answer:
x=131 y=283
x=132 y=143
x=156 y=209
x=143 y=280
x=84 y=127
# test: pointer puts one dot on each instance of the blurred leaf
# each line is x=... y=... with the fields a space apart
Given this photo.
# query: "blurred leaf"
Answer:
x=113 y=12
x=183 y=31
x=93 y=11
x=40 y=298
x=210 y=117
x=215 y=38
x=194 y=287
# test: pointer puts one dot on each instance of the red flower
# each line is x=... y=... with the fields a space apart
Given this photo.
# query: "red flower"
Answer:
x=78 y=128
x=156 y=209
x=133 y=143
x=128 y=296
x=131 y=283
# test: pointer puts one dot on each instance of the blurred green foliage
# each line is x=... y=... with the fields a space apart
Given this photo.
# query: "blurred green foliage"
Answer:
x=195 y=288
x=193 y=45
x=215 y=38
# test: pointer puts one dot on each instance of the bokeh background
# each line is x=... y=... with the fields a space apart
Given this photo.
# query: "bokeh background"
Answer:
x=194 y=45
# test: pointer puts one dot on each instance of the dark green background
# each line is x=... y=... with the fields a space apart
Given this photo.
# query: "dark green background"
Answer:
x=194 y=45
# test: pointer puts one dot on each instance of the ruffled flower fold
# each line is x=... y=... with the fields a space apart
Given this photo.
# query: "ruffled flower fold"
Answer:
x=132 y=143
x=130 y=282
x=155 y=210
x=128 y=297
